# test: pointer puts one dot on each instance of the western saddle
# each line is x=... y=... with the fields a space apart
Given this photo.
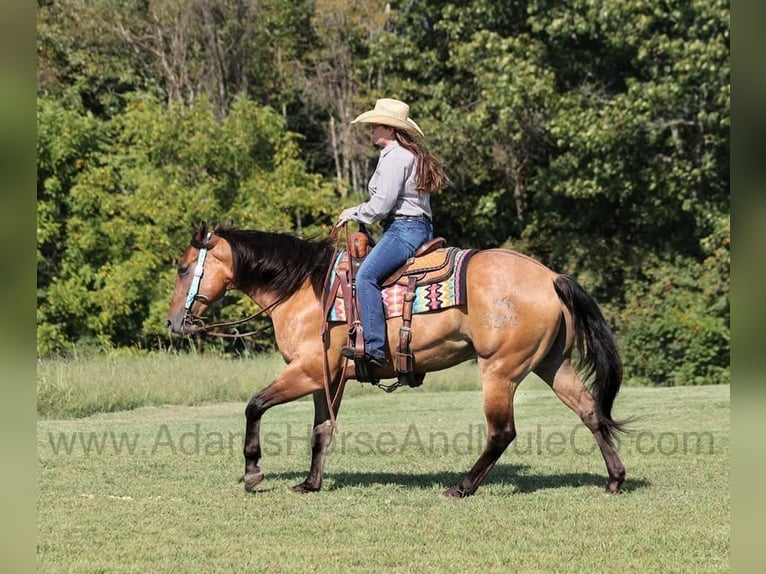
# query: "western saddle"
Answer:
x=431 y=263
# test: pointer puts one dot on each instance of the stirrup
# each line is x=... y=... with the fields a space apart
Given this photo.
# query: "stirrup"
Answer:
x=405 y=380
x=411 y=379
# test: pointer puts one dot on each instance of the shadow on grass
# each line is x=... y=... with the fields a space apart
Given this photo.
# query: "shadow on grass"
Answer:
x=514 y=476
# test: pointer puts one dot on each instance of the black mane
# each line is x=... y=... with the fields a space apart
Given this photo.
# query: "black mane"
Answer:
x=277 y=262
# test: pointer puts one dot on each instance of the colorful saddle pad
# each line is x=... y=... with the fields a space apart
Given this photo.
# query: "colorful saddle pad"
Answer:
x=448 y=292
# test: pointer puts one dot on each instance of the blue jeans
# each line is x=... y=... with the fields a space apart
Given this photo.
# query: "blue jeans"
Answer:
x=401 y=238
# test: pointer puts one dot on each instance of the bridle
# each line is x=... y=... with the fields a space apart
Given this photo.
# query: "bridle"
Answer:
x=199 y=270
x=195 y=324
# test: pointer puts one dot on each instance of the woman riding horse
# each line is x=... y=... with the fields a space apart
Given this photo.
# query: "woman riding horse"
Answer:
x=400 y=197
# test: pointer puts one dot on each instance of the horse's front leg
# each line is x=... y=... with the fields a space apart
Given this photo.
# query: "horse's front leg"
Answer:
x=294 y=382
x=321 y=437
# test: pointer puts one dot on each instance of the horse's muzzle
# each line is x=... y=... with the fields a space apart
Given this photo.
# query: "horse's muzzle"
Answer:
x=181 y=324
x=175 y=327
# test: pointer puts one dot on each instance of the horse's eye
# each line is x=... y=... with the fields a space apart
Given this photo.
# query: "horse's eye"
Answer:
x=183 y=269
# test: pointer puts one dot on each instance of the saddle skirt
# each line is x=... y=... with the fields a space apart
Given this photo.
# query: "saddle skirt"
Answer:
x=440 y=276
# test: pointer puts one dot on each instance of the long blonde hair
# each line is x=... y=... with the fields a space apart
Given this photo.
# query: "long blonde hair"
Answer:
x=430 y=176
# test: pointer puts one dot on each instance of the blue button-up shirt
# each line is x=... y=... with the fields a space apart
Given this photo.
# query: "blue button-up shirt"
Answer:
x=392 y=188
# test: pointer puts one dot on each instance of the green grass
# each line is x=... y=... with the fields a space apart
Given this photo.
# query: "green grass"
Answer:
x=114 y=382
x=170 y=500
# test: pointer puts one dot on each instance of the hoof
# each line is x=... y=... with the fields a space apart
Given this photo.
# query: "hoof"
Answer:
x=252 y=480
x=305 y=487
x=453 y=493
x=613 y=487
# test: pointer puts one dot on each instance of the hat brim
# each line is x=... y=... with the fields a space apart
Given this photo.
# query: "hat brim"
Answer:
x=375 y=117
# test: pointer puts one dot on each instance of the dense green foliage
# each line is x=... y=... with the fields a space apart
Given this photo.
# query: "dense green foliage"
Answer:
x=592 y=134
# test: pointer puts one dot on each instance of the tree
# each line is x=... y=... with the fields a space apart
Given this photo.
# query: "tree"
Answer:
x=132 y=208
x=342 y=80
x=592 y=134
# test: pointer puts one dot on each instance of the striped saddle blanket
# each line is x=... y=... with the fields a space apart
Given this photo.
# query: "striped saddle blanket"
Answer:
x=441 y=284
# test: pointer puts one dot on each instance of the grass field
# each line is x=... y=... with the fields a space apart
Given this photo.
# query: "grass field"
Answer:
x=115 y=382
x=154 y=489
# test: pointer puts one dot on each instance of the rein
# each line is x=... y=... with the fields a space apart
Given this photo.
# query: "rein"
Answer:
x=328 y=297
x=202 y=329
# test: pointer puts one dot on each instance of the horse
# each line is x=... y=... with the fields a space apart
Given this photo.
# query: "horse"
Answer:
x=520 y=317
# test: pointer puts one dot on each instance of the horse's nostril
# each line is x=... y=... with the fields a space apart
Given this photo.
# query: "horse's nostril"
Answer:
x=169 y=324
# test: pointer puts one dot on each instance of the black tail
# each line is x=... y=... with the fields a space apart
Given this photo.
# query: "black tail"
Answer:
x=597 y=348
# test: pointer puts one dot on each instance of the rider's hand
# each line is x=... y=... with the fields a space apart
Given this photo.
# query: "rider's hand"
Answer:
x=345 y=216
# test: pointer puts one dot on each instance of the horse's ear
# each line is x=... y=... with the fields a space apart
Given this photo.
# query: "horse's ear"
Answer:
x=200 y=233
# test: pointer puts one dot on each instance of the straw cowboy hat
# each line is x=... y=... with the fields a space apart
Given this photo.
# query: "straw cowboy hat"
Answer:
x=391 y=113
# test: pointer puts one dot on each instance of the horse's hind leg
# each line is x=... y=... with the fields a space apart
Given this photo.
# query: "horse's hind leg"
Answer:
x=498 y=393
x=568 y=386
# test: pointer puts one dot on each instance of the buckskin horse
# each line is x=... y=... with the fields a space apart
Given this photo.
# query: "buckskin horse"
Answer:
x=519 y=317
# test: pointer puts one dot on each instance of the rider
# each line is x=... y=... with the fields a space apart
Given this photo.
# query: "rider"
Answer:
x=400 y=197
